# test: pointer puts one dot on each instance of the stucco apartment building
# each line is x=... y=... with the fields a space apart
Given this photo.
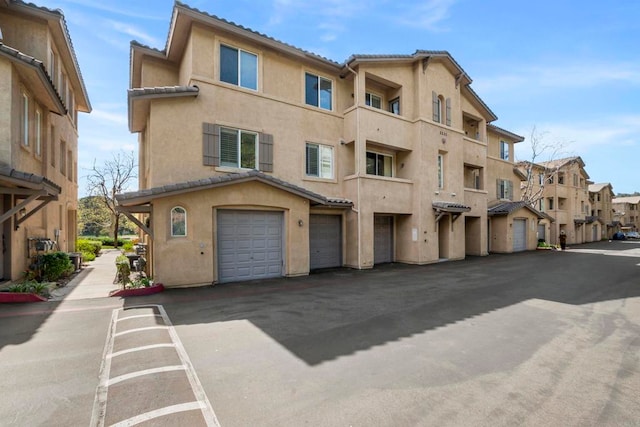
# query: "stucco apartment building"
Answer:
x=627 y=212
x=601 y=198
x=259 y=159
x=563 y=185
x=41 y=92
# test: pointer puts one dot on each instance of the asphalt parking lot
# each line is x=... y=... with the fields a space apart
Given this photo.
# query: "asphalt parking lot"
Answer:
x=536 y=338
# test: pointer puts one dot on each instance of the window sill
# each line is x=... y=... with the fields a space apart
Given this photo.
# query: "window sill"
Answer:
x=229 y=169
x=317 y=179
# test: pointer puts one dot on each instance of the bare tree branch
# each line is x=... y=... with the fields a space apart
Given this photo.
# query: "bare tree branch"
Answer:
x=540 y=170
x=112 y=178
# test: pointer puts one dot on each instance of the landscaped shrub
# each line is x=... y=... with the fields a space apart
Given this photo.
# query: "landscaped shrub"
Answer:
x=30 y=287
x=124 y=270
x=88 y=256
x=127 y=246
x=54 y=265
x=86 y=246
x=106 y=240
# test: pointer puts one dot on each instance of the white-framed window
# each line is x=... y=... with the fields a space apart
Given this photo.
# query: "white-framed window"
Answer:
x=238 y=67
x=63 y=157
x=394 y=106
x=52 y=139
x=440 y=171
x=541 y=205
x=178 y=222
x=437 y=109
x=373 y=100
x=504 y=150
x=550 y=200
x=319 y=160
x=379 y=164
x=53 y=63
x=24 y=119
x=504 y=189
x=318 y=91
x=541 y=179
x=238 y=148
x=38 y=131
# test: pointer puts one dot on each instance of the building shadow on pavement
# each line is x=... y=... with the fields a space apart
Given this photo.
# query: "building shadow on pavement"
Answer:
x=336 y=313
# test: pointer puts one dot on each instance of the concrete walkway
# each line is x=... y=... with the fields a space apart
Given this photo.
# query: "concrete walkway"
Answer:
x=94 y=281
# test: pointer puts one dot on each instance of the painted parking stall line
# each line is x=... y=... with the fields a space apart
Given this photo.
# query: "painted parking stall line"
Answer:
x=146 y=374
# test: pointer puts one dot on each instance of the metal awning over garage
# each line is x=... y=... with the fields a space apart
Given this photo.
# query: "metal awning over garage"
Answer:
x=451 y=208
x=25 y=188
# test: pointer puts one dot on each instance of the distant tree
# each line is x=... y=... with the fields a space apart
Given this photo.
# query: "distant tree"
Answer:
x=543 y=154
x=94 y=219
x=112 y=178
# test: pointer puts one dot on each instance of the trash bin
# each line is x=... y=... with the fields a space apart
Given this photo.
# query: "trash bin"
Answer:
x=76 y=260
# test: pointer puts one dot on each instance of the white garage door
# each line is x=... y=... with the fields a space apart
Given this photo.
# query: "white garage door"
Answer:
x=325 y=241
x=249 y=245
x=519 y=235
x=383 y=239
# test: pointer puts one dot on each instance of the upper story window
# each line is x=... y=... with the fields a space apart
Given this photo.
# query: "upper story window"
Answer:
x=394 y=106
x=504 y=150
x=561 y=178
x=238 y=67
x=53 y=63
x=24 y=119
x=441 y=109
x=541 y=205
x=541 y=179
x=379 y=164
x=238 y=148
x=318 y=91
x=504 y=189
x=178 y=222
x=441 y=171
x=319 y=161
x=373 y=100
x=38 y=131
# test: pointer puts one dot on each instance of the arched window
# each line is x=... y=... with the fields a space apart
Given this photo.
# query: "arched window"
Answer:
x=178 y=222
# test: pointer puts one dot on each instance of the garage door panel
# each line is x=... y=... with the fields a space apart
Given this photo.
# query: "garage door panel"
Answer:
x=519 y=235
x=383 y=239
x=325 y=241
x=249 y=245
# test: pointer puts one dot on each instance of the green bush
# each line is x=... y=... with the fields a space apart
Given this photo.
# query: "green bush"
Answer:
x=88 y=256
x=127 y=246
x=86 y=246
x=105 y=240
x=30 y=287
x=54 y=265
x=124 y=270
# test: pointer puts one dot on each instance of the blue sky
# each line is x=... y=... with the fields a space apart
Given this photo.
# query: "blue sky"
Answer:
x=570 y=68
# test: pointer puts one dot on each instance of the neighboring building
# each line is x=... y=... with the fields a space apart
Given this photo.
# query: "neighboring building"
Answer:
x=41 y=91
x=258 y=159
x=514 y=225
x=600 y=197
x=563 y=188
x=627 y=212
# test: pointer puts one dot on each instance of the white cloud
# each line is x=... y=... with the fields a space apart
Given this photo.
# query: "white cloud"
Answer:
x=588 y=136
x=429 y=15
x=131 y=30
x=575 y=75
x=106 y=116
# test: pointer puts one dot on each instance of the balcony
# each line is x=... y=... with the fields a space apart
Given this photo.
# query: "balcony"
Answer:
x=381 y=194
x=381 y=127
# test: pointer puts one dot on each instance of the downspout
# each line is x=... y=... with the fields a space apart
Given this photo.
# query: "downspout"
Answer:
x=358 y=155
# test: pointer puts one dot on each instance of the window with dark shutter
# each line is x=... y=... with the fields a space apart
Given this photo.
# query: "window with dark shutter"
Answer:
x=436 y=106
x=210 y=146
x=266 y=152
x=448 y=104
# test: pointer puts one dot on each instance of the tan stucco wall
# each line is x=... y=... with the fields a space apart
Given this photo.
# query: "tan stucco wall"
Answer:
x=172 y=142
x=32 y=36
x=181 y=261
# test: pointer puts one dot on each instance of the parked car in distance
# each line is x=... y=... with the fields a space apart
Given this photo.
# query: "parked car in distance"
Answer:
x=632 y=235
x=618 y=236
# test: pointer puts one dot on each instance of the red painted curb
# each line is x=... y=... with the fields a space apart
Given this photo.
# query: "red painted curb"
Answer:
x=11 y=297
x=136 y=292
